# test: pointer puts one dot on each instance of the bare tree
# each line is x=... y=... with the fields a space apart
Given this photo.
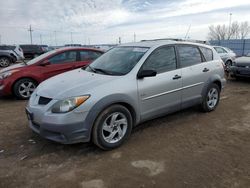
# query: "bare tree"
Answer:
x=244 y=30
x=235 y=31
x=217 y=33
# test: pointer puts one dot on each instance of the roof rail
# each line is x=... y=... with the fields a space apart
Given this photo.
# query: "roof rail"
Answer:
x=176 y=39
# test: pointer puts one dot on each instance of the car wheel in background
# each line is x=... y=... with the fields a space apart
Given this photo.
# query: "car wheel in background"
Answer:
x=211 y=98
x=112 y=127
x=228 y=64
x=24 y=88
x=4 y=62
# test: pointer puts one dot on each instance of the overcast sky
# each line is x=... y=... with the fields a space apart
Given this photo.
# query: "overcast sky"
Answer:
x=104 y=21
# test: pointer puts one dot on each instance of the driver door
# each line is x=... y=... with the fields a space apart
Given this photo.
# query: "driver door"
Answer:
x=160 y=94
x=59 y=63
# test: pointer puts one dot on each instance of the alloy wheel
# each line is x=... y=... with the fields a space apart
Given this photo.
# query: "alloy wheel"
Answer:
x=26 y=89
x=114 y=127
x=212 y=98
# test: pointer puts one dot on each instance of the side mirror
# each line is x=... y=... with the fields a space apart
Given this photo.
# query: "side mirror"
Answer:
x=45 y=63
x=146 y=73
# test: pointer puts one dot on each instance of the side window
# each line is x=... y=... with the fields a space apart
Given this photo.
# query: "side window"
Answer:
x=65 y=57
x=89 y=55
x=220 y=50
x=208 y=53
x=189 y=55
x=161 y=60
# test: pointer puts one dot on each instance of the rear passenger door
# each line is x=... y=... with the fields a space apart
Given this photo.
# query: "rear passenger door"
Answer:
x=86 y=57
x=160 y=94
x=195 y=73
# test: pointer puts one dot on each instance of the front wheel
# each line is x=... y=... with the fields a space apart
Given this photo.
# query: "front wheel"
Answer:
x=211 y=98
x=24 y=88
x=112 y=127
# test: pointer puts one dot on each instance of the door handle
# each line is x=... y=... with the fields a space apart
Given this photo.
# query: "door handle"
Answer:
x=176 y=77
x=205 y=70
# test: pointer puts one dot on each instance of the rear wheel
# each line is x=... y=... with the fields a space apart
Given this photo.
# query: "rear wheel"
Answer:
x=112 y=127
x=211 y=98
x=4 y=62
x=24 y=88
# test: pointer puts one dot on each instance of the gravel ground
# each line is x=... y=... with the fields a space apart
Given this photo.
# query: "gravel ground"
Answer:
x=185 y=149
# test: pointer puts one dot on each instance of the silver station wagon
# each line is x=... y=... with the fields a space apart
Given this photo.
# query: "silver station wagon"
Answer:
x=128 y=85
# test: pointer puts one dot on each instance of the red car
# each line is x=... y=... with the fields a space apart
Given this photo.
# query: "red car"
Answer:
x=22 y=79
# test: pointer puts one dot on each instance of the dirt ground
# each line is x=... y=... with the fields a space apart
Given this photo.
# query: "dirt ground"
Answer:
x=185 y=149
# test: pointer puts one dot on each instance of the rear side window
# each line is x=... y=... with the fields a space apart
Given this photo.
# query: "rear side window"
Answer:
x=220 y=50
x=189 y=55
x=65 y=57
x=208 y=53
x=161 y=60
x=89 y=55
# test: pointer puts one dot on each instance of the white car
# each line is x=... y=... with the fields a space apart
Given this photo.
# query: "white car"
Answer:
x=226 y=54
x=16 y=50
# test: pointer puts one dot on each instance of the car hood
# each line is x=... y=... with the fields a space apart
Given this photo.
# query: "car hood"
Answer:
x=243 y=61
x=73 y=83
x=13 y=67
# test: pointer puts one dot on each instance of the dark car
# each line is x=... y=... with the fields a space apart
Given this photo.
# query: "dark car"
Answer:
x=22 y=79
x=6 y=58
x=32 y=50
x=241 y=67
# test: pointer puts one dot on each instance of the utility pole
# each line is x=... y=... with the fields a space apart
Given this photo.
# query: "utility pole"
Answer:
x=55 y=38
x=120 y=40
x=41 y=40
x=230 y=21
x=134 y=37
x=30 y=30
x=71 y=37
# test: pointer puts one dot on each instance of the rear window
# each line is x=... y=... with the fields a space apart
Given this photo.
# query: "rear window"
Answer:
x=7 y=47
x=208 y=53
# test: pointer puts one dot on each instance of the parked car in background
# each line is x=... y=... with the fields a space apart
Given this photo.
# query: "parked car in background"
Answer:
x=45 y=48
x=31 y=50
x=127 y=85
x=226 y=54
x=6 y=58
x=22 y=79
x=241 y=67
x=15 y=50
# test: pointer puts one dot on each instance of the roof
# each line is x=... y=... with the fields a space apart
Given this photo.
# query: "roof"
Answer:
x=77 y=48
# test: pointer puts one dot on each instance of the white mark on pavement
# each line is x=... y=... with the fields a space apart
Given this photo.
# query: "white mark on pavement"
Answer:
x=154 y=168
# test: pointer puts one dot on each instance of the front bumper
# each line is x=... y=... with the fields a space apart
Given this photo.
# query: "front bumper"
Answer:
x=65 y=128
x=239 y=71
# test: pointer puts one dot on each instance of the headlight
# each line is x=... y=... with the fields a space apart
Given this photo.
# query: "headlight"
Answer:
x=69 y=104
x=7 y=74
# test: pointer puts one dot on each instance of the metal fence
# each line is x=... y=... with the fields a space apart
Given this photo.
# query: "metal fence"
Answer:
x=239 y=46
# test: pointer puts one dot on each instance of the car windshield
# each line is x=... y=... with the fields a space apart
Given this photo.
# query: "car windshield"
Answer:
x=117 y=61
x=35 y=60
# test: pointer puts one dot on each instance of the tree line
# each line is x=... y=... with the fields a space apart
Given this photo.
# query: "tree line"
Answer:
x=235 y=30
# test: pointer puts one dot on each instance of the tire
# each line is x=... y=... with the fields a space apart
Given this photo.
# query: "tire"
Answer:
x=111 y=136
x=4 y=62
x=228 y=63
x=211 y=99
x=23 y=88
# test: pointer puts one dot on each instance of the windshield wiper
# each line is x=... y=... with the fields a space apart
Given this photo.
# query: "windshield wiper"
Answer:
x=91 y=68
x=102 y=71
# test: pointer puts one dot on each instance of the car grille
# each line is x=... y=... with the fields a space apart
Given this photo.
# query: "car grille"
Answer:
x=44 y=100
